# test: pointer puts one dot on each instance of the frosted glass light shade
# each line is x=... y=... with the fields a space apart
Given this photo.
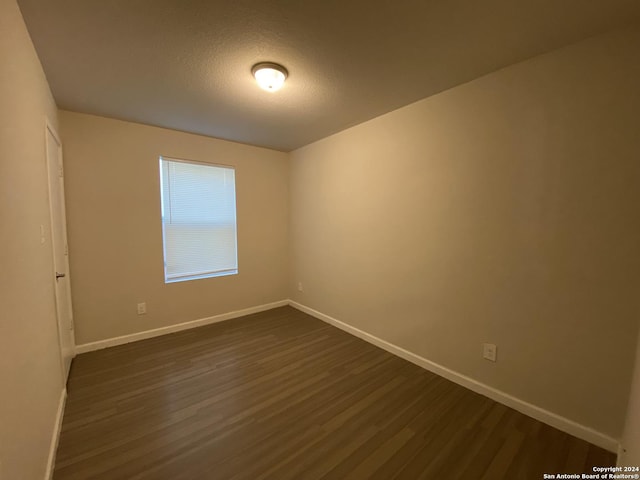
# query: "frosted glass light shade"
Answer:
x=270 y=76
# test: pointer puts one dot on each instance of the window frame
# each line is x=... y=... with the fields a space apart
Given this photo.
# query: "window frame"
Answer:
x=195 y=275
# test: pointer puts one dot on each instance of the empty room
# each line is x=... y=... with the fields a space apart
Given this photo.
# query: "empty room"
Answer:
x=320 y=240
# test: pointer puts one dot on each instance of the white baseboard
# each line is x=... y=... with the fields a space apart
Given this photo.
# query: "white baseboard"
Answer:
x=561 y=423
x=55 y=436
x=621 y=459
x=156 y=332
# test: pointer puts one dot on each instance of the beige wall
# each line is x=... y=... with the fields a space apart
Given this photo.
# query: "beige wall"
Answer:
x=30 y=371
x=631 y=439
x=505 y=210
x=115 y=234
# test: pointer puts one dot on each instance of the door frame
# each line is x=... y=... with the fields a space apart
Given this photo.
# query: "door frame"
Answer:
x=71 y=331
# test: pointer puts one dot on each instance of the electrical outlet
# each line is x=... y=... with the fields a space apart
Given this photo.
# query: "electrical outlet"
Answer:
x=489 y=351
x=142 y=308
x=300 y=289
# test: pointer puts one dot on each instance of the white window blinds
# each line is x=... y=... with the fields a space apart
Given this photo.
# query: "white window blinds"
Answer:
x=198 y=220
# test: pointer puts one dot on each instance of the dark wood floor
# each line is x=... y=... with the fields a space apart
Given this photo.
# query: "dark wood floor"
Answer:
x=282 y=395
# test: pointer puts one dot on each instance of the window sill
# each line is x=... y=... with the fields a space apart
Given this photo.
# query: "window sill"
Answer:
x=200 y=276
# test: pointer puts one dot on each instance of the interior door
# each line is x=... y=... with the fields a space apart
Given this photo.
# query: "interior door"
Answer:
x=60 y=275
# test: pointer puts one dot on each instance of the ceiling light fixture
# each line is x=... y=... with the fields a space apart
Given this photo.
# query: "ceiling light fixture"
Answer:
x=270 y=76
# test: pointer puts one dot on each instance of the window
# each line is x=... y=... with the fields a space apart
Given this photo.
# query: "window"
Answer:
x=198 y=220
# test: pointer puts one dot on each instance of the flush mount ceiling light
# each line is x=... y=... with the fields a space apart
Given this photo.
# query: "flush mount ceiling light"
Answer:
x=270 y=76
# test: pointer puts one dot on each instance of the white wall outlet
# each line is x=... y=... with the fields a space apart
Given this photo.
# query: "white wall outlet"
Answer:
x=142 y=308
x=300 y=289
x=42 y=235
x=489 y=351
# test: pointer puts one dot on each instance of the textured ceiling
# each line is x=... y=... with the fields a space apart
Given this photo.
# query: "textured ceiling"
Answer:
x=186 y=64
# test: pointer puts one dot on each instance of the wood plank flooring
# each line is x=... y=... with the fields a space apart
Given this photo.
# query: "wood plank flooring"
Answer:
x=281 y=395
